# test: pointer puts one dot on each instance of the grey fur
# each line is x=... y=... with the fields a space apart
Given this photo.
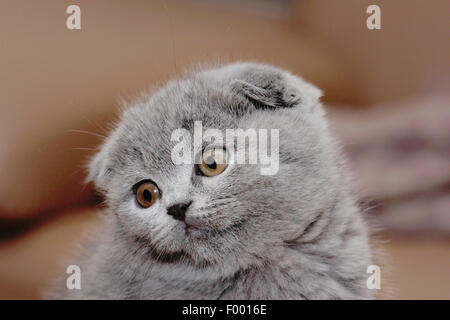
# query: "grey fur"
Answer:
x=295 y=235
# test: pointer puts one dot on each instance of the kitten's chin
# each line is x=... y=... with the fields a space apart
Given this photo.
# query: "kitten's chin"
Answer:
x=195 y=232
x=195 y=254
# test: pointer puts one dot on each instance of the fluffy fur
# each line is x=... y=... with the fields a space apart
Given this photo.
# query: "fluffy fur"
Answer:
x=295 y=235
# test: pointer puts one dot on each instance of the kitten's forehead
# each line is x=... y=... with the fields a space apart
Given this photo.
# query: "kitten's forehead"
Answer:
x=148 y=126
x=182 y=102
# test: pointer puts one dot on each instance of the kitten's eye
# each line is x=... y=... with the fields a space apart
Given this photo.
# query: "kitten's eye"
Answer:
x=214 y=162
x=147 y=193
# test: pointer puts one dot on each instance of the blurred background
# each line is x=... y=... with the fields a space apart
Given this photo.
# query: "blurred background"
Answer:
x=386 y=91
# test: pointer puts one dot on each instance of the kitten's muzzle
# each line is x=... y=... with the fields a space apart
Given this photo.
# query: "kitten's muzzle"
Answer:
x=178 y=212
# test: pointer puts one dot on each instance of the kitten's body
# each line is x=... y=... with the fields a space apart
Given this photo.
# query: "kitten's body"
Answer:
x=295 y=235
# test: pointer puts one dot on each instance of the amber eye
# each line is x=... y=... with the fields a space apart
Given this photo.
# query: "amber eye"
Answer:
x=147 y=193
x=214 y=162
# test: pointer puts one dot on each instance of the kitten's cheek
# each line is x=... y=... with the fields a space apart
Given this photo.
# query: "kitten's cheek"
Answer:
x=152 y=215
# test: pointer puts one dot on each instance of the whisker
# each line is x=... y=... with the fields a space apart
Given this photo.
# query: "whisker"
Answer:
x=87 y=132
x=81 y=148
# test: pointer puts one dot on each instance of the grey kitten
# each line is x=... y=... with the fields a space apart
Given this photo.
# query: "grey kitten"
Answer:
x=177 y=232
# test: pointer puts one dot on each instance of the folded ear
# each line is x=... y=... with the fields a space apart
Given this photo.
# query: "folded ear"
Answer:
x=98 y=170
x=100 y=167
x=270 y=87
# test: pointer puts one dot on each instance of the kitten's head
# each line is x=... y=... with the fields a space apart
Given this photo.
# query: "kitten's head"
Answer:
x=207 y=212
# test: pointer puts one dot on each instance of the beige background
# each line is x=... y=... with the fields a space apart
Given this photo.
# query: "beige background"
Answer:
x=55 y=84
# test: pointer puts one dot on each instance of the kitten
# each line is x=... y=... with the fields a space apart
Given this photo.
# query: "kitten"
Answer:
x=225 y=231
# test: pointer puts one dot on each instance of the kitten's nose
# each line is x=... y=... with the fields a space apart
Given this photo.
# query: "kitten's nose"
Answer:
x=178 y=211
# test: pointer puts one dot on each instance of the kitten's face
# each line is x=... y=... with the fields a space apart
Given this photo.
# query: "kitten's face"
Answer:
x=235 y=213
